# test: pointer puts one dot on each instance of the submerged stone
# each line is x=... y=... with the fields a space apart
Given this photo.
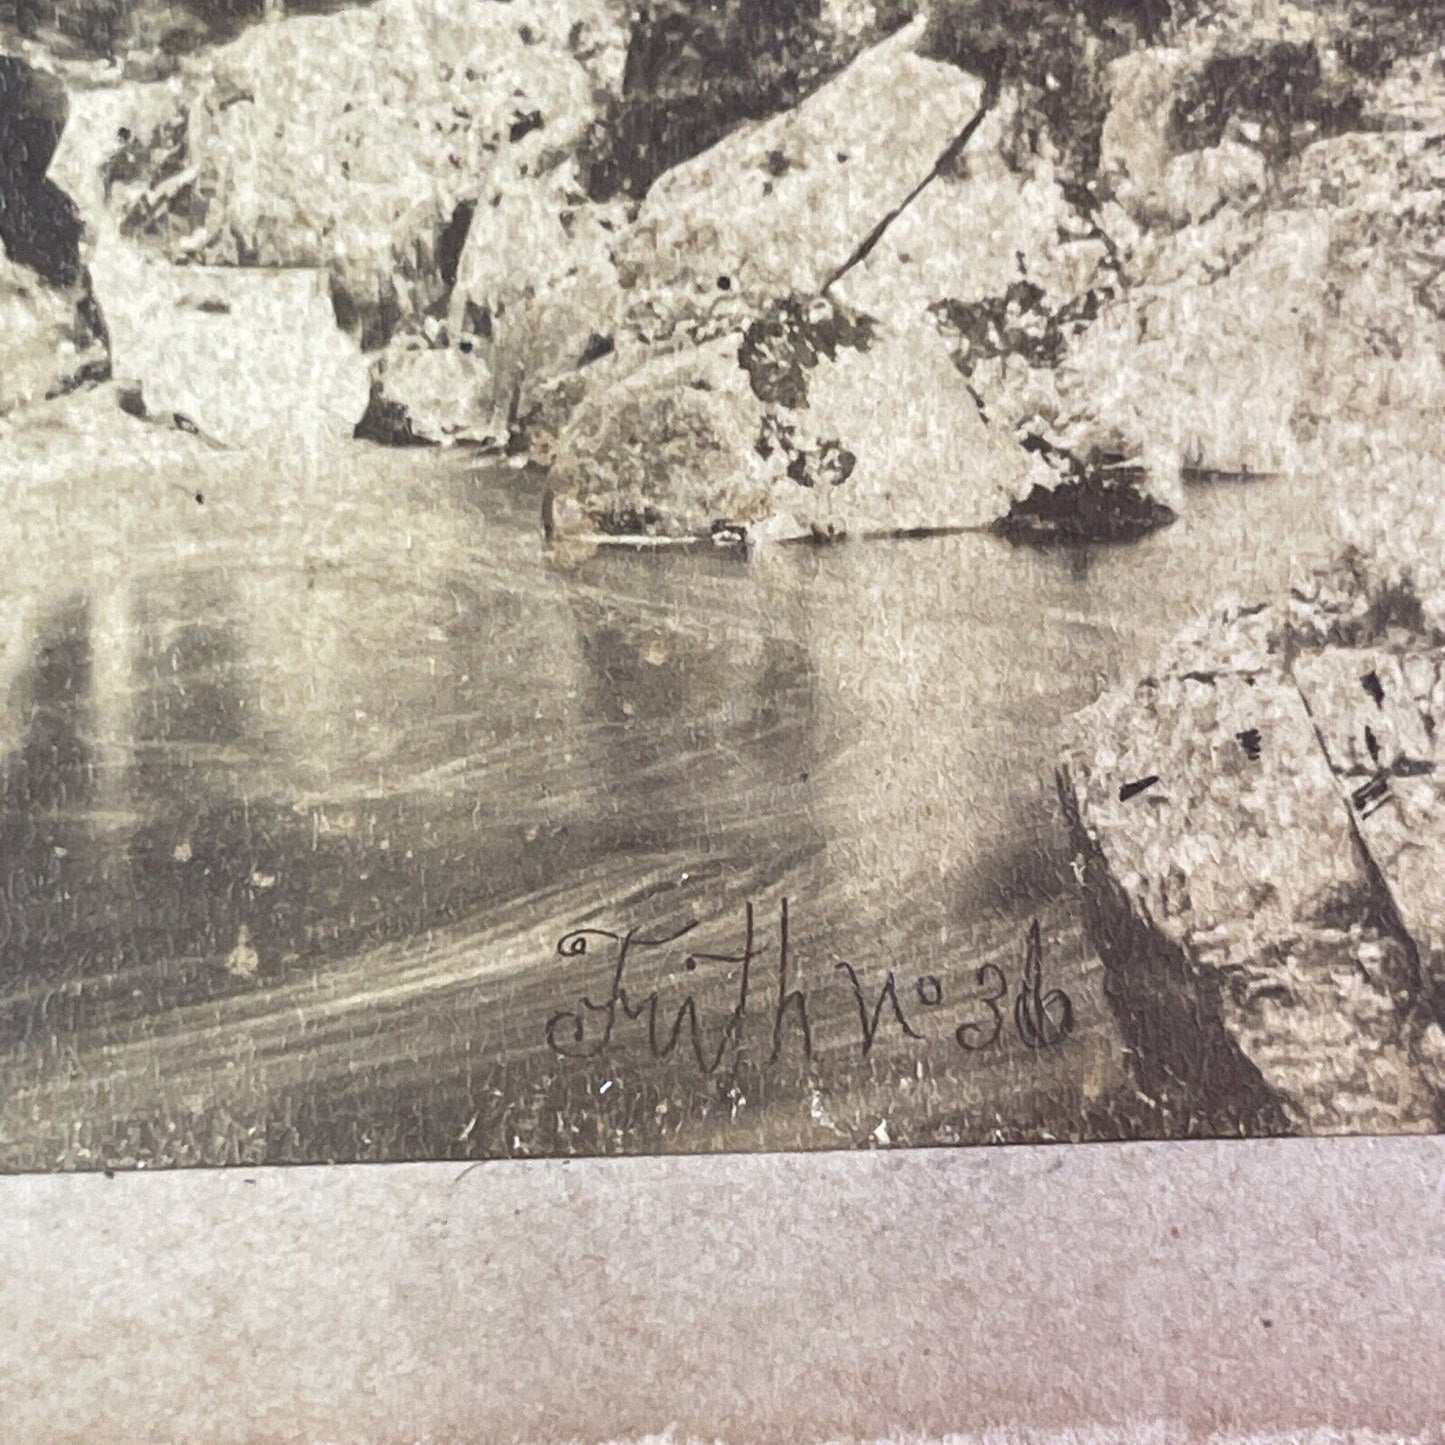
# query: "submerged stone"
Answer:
x=1098 y=499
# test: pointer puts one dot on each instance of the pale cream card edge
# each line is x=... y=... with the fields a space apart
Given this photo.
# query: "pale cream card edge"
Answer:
x=1152 y=1292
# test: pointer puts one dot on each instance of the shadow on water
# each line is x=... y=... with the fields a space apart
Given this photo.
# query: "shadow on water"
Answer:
x=293 y=815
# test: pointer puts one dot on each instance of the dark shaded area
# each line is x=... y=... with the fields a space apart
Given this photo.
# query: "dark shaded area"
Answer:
x=39 y=224
x=1054 y=55
x=388 y=423
x=1378 y=33
x=1169 y=1011
x=1278 y=86
x=452 y=241
x=372 y=327
x=1102 y=498
x=695 y=70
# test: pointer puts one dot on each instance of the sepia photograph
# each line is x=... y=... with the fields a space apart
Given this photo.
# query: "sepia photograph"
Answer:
x=588 y=578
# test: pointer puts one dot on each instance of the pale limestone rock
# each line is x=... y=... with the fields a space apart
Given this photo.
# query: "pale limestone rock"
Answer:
x=668 y=450
x=1210 y=367
x=781 y=205
x=437 y=393
x=1194 y=186
x=1378 y=712
x=50 y=343
x=1229 y=900
x=1135 y=147
x=1380 y=378
x=248 y=356
x=104 y=141
x=812 y=423
x=349 y=141
x=57 y=442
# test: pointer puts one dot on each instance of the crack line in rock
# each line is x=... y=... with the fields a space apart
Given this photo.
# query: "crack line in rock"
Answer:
x=1391 y=916
x=950 y=153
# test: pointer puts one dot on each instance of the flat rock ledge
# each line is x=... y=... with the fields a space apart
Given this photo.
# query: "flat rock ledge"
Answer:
x=1258 y=831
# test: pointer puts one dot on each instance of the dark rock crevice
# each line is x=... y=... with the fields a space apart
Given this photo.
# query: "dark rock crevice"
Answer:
x=1169 y=1011
x=40 y=226
x=941 y=166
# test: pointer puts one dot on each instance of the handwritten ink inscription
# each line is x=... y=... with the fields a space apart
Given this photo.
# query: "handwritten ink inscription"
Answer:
x=988 y=1008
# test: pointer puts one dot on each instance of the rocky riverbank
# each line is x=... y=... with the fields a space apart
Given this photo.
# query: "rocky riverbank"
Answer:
x=1256 y=825
x=949 y=270
x=969 y=267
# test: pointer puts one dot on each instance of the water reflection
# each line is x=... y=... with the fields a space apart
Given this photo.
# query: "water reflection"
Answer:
x=249 y=750
x=704 y=707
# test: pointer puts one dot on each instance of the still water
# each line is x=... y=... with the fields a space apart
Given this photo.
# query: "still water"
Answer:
x=309 y=765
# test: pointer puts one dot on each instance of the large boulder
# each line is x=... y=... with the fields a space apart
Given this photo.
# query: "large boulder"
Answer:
x=996 y=255
x=427 y=390
x=250 y=357
x=776 y=206
x=984 y=224
x=557 y=273
x=1255 y=296
x=359 y=142
x=1207 y=358
x=1257 y=832
x=786 y=204
x=1377 y=379
x=814 y=421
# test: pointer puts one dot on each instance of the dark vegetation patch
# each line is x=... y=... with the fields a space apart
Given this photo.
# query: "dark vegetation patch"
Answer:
x=695 y=70
x=785 y=343
x=827 y=463
x=1278 y=86
x=1016 y=324
x=1378 y=33
x=1053 y=55
x=1102 y=497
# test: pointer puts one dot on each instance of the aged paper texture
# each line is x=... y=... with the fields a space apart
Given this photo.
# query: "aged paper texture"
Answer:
x=753 y=575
